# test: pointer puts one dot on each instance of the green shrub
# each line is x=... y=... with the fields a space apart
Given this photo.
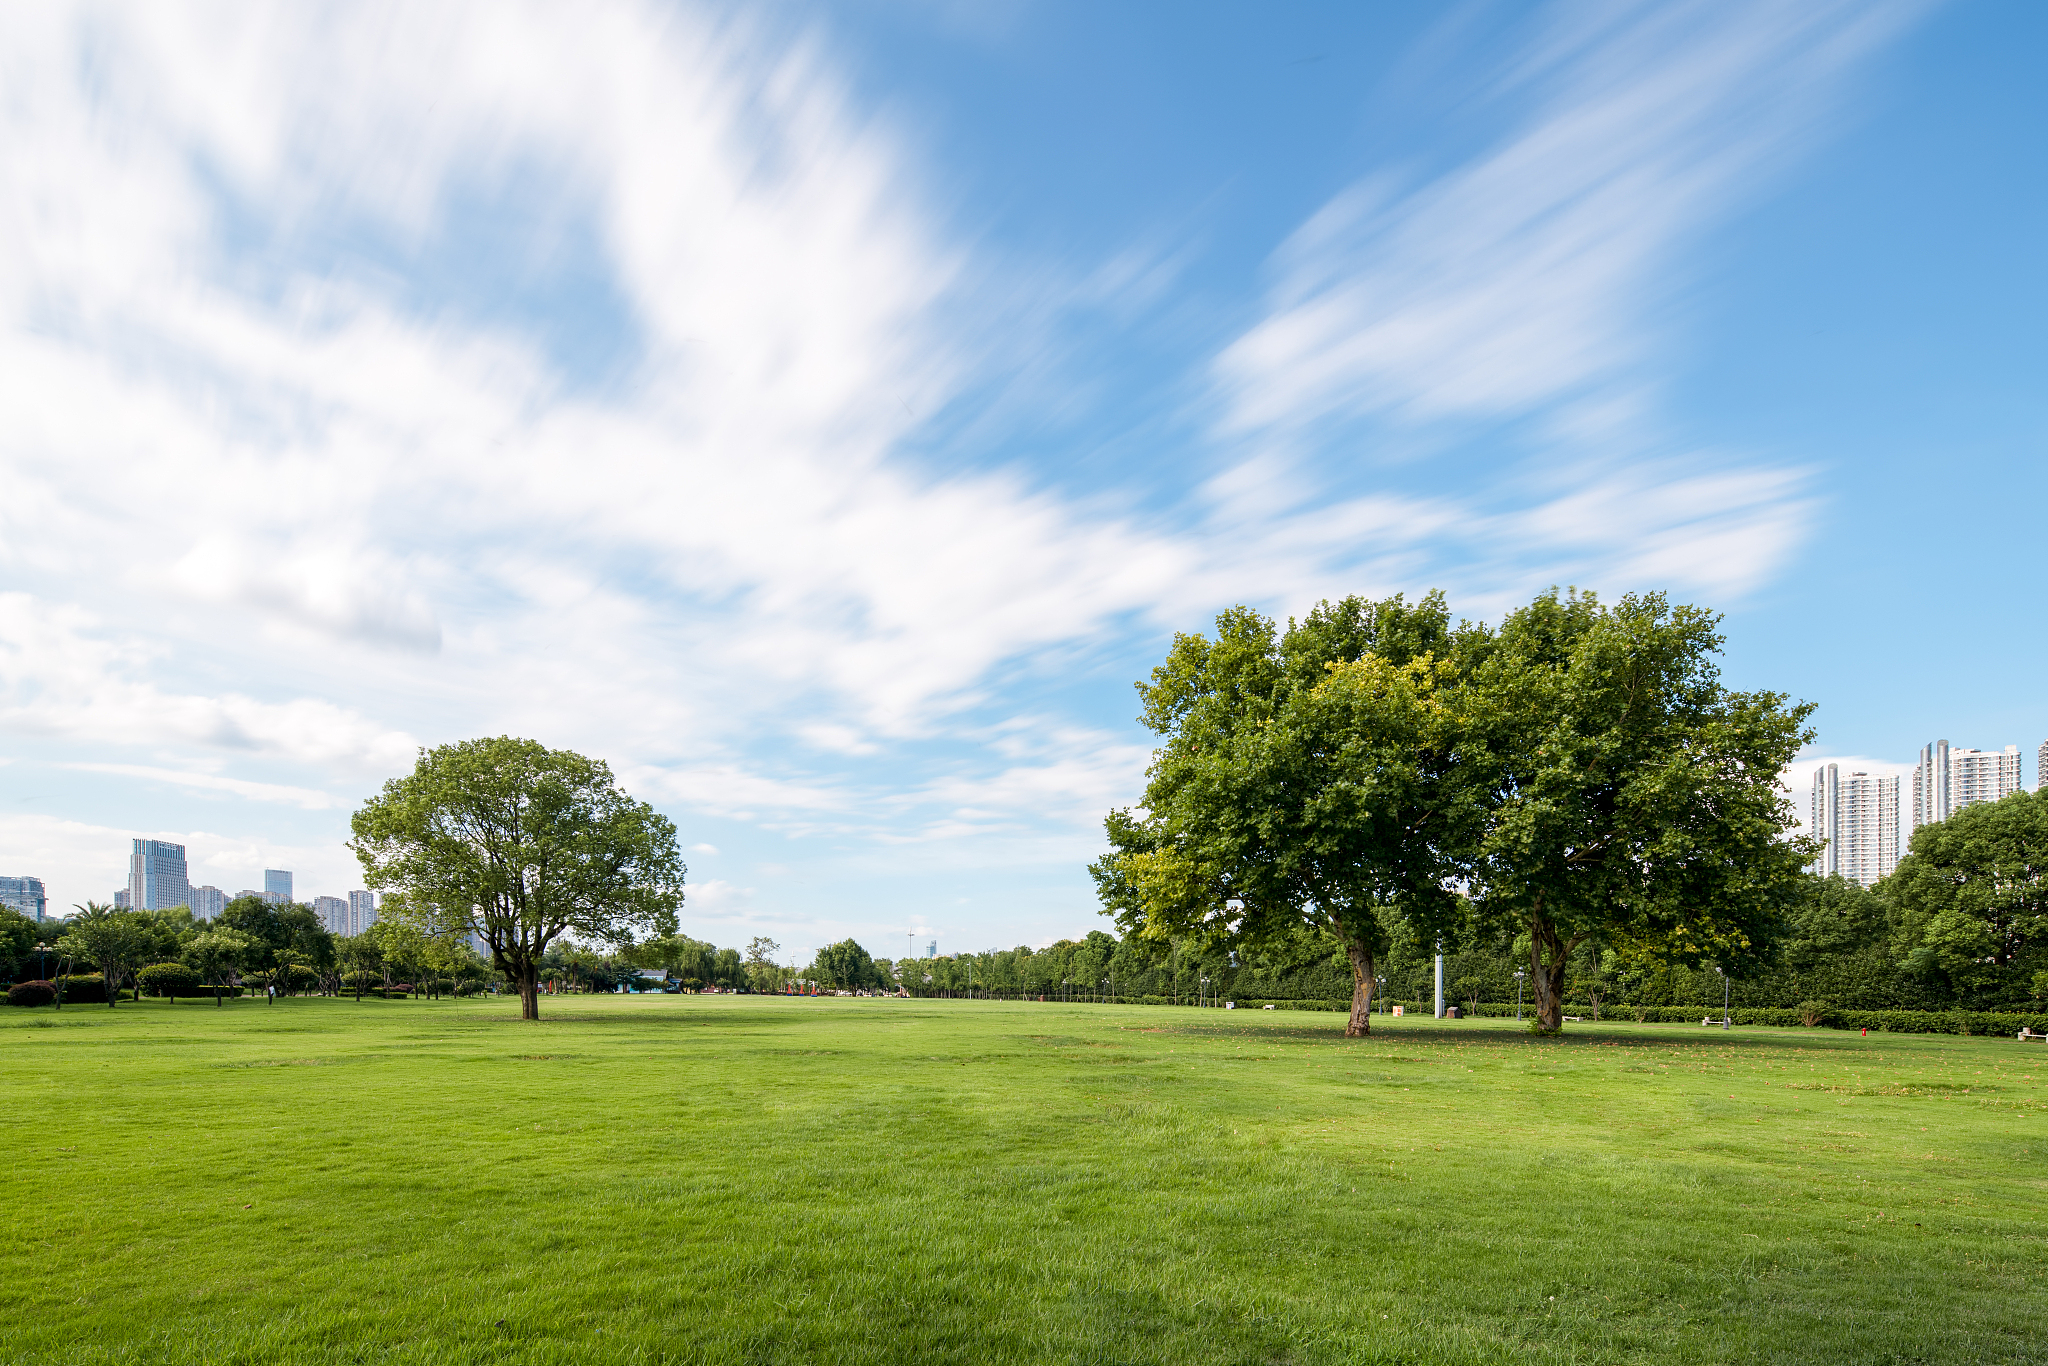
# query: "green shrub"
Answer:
x=85 y=988
x=31 y=994
x=168 y=979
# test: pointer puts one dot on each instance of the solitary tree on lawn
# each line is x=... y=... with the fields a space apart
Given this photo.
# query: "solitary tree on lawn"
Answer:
x=115 y=941
x=523 y=845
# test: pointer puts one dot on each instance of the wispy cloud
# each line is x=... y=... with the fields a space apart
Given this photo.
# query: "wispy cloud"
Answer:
x=1531 y=275
x=311 y=799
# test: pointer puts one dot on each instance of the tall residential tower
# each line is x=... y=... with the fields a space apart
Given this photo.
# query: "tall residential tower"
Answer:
x=1947 y=780
x=1858 y=815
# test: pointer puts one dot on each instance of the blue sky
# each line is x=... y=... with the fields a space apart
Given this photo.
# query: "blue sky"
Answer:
x=824 y=413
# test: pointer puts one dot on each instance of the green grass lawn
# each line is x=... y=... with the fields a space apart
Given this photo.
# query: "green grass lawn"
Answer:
x=761 y=1179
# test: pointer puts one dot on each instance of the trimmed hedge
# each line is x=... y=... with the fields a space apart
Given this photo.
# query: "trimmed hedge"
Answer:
x=31 y=994
x=167 y=979
x=86 y=989
x=1996 y=1023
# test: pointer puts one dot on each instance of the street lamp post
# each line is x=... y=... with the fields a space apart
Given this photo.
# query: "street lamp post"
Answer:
x=1520 y=973
x=1724 y=995
x=1202 y=991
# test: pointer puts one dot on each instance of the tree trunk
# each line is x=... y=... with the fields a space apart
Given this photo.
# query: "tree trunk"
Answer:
x=1548 y=953
x=1360 y=1023
x=529 y=996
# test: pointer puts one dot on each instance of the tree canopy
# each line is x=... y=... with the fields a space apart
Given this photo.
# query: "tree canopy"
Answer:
x=1578 y=774
x=1629 y=796
x=1972 y=892
x=521 y=845
x=114 y=941
x=1309 y=777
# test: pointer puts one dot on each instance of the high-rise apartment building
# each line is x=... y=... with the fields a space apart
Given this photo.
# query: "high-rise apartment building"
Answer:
x=121 y=902
x=156 y=876
x=2041 y=767
x=1858 y=815
x=277 y=886
x=208 y=902
x=333 y=913
x=362 y=911
x=25 y=894
x=1947 y=780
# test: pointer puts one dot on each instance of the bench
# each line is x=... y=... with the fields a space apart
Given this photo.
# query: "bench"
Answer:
x=1711 y=1020
x=2029 y=1036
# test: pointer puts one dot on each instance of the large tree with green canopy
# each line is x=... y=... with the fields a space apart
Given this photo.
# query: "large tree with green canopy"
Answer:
x=115 y=941
x=523 y=845
x=1629 y=796
x=1972 y=895
x=1305 y=777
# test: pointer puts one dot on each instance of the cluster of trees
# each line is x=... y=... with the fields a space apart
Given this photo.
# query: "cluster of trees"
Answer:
x=1570 y=803
x=1576 y=777
x=252 y=943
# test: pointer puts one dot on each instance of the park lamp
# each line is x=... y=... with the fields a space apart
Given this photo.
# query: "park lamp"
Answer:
x=1520 y=973
x=1724 y=994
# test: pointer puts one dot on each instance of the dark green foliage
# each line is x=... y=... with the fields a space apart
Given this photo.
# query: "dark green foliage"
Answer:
x=17 y=938
x=1305 y=780
x=86 y=988
x=31 y=994
x=523 y=846
x=1970 y=902
x=847 y=965
x=1634 y=799
x=168 y=979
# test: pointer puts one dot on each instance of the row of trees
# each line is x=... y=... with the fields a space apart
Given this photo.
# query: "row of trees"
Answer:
x=253 y=942
x=1946 y=933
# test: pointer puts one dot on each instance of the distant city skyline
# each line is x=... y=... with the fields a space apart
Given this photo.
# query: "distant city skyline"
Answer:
x=158 y=880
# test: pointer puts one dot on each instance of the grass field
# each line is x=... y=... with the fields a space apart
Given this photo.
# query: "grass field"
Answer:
x=762 y=1179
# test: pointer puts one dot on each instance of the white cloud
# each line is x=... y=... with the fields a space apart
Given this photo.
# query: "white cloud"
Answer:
x=277 y=492
x=704 y=849
x=1529 y=274
x=60 y=676
x=1529 y=285
x=309 y=798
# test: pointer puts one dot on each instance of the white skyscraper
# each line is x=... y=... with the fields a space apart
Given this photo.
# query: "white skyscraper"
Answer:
x=362 y=911
x=1947 y=780
x=333 y=913
x=208 y=902
x=1858 y=815
x=2041 y=767
x=156 y=876
x=24 y=894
